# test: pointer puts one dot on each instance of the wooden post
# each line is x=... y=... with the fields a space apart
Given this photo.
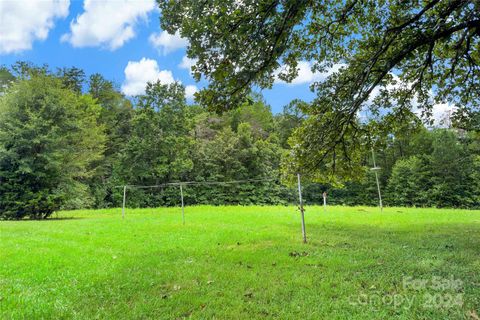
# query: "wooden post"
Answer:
x=124 y=197
x=183 y=210
x=304 y=233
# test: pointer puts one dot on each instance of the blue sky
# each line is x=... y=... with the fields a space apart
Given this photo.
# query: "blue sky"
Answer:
x=108 y=36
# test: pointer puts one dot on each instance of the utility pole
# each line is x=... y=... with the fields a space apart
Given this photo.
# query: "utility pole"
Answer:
x=375 y=169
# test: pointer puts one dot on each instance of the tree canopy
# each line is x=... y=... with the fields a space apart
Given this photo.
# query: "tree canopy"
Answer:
x=387 y=57
x=49 y=139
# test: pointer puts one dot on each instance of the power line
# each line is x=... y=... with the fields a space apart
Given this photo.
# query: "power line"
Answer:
x=196 y=183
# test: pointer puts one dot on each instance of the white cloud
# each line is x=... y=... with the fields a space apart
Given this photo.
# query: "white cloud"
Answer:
x=166 y=42
x=22 y=23
x=138 y=73
x=190 y=90
x=107 y=24
x=441 y=114
x=306 y=75
x=187 y=63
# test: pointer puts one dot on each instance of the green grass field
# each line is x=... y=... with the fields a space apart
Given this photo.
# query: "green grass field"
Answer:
x=242 y=262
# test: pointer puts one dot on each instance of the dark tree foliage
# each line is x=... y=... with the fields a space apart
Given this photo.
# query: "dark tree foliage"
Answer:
x=406 y=52
x=158 y=147
x=6 y=79
x=290 y=119
x=26 y=69
x=171 y=141
x=49 y=137
x=115 y=115
x=72 y=78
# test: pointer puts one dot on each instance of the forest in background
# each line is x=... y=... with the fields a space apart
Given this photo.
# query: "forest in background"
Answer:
x=69 y=141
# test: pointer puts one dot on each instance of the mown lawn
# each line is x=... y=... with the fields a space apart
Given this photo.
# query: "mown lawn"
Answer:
x=242 y=263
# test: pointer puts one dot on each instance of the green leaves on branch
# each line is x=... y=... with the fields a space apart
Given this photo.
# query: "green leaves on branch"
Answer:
x=381 y=56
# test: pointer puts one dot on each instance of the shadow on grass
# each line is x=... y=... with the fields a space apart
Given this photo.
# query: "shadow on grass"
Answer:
x=46 y=219
x=61 y=218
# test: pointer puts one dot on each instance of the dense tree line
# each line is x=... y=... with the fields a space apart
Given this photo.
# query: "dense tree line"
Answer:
x=68 y=141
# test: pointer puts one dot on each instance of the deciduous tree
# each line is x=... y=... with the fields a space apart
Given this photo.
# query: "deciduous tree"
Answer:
x=49 y=138
x=385 y=56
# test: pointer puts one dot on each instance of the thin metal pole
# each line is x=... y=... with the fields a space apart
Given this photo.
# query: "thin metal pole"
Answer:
x=124 y=197
x=183 y=210
x=378 y=184
x=324 y=202
x=304 y=233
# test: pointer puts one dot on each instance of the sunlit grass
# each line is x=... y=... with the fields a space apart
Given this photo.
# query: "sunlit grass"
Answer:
x=239 y=262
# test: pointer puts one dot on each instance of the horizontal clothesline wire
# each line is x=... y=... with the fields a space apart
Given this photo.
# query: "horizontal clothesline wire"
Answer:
x=197 y=183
